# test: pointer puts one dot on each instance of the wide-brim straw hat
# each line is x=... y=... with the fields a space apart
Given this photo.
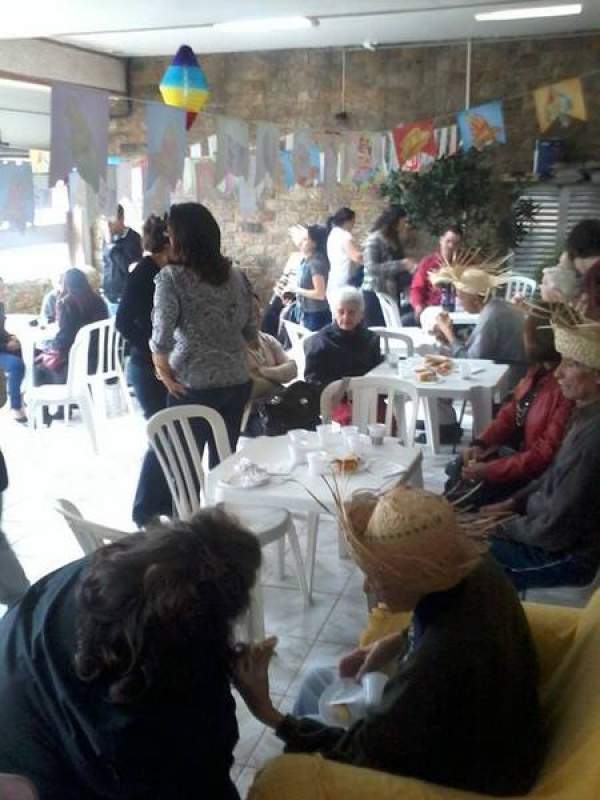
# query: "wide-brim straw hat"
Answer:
x=414 y=535
x=469 y=273
x=580 y=342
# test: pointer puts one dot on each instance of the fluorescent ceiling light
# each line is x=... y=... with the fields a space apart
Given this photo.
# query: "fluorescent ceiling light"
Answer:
x=530 y=13
x=264 y=25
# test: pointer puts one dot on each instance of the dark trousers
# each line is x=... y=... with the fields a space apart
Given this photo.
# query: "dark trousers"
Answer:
x=14 y=367
x=531 y=567
x=149 y=391
x=153 y=497
x=373 y=313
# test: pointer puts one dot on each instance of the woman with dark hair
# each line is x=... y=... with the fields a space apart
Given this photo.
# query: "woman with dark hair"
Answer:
x=202 y=320
x=521 y=441
x=583 y=249
x=312 y=279
x=115 y=670
x=134 y=314
x=78 y=305
x=345 y=258
x=386 y=268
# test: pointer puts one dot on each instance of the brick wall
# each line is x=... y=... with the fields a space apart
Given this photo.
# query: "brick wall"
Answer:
x=302 y=88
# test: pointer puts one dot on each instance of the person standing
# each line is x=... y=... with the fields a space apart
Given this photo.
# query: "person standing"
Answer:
x=345 y=258
x=312 y=278
x=134 y=317
x=583 y=250
x=386 y=268
x=202 y=320
x=123 y=249
x=422 y=291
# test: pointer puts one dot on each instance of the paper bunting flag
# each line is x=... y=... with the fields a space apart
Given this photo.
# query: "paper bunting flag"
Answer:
x=267 y=151
x=362 y=158
x=166 y=154
x=482 y=125
x=306 y=169
x=330 y=147
x=232 y=148
x=184 y=84
x=412 y=139
x=560 y=103
x=16 y=194
x=79 y=133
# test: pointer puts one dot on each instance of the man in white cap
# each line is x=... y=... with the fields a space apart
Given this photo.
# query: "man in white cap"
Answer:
x=461 y=705
x=555 y=540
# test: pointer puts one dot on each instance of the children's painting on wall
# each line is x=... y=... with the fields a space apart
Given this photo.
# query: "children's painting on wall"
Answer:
x=482 y=125
x=560 y=104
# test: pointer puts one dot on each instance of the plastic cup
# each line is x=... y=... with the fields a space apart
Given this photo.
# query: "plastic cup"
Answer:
x=348 y=432
x=374 y=683
x=318 y=462
x=296 y=435
x=465 y=369
x=376 y=433
x=325 y=432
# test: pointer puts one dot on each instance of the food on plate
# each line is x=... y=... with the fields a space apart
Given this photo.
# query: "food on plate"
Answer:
x=347 y=463
x=341 y=714
x=441 y=364
x=425 y=374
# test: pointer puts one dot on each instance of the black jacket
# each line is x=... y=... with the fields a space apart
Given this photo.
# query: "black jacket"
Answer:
x=134 y=315
x=332 y=354
x=117 y=256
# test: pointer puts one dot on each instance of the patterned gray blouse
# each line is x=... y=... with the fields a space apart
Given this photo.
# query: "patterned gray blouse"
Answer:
x=203 y=328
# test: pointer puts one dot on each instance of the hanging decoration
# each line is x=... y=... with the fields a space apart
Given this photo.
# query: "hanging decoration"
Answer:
x=184 y=84
x=414 y=138
x=166 y=155
x=560 y=103
x=482 y=125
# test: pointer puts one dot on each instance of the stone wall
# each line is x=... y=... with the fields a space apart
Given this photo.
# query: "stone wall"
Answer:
x=303 y=88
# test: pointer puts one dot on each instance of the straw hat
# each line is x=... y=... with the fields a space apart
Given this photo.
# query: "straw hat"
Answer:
x=577 y=338
x=414 y=535
x=468 y=272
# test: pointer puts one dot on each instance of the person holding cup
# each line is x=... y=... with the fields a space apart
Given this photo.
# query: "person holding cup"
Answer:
x=461 y=704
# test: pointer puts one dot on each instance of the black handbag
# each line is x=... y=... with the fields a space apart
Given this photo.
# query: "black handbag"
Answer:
x=296 y=406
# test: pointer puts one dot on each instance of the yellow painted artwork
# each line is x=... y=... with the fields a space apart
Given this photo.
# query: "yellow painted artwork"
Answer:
x=560 y=103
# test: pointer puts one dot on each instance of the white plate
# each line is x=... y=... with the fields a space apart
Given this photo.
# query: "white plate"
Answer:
x=241 y=482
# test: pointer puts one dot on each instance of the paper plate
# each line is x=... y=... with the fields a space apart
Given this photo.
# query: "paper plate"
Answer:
x=341 y=715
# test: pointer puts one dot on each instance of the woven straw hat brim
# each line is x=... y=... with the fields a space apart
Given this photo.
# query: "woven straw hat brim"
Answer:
x=579 y=343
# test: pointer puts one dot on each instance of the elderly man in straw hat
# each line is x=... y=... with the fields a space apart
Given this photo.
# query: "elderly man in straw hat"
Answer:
x=460 y=707
x=556 y=539
x=498 y=334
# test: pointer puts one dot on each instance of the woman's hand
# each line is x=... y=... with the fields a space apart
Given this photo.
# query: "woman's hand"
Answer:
x=165 y=375
x=444 y=324
x=474 y=471
x=251 y=679
x=371 y=658
x=12 y=345
x=471 y=454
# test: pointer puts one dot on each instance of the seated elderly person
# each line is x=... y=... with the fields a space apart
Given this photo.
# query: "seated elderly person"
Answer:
x=498 y=333
x=345 y=348
x=461 y=704
x=555 y=538
x=115 y=670
x=270 y=367
x=560 y=284
x=522 y=440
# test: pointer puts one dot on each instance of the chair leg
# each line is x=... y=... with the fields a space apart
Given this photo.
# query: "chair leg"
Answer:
x=281 y=559
x=312 y=526
x=87 y=412
x=300 y=569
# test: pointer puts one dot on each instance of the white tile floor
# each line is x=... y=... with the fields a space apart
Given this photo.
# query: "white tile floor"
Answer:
x=58 y=462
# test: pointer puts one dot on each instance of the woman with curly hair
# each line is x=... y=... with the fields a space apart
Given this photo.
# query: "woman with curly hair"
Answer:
x=115 y=670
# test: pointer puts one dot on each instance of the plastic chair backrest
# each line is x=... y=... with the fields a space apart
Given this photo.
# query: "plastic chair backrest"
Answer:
x=90 y=535
x=78 y=363
x=297 y=334
x=519 y=284
x=364 y=394
x=388 y=335
x=108 y=342
x=390 y=310
x=173 y=441
x=16 y=787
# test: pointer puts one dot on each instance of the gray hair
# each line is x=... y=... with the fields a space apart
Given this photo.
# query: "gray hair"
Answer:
x=349 y=296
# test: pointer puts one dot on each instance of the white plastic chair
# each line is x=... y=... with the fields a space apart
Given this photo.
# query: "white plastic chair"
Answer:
x=297 y=334
x=89 y=535
x=172 y=439
x=519 y=284
x=388 y=336
x=364 y=395
x=16 y=787
x=390 y=310
x=75 y=391
x=109 y=363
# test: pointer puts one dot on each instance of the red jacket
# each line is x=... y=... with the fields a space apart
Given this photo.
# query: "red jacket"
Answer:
x=422 y=291
x=543 y=433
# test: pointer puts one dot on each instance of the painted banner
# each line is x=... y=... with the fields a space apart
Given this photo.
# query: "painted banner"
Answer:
x=78 y=134
x=482 y=125
x=412 y=139
x=561 y=103
x=362 y=158
x=16 y=194
x=305 y=162
x=165 y=127
x=267 y=151
x=232 y=149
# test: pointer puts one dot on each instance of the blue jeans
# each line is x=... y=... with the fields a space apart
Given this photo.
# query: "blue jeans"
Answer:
x=149 y=391
x=533 y=568
x=315 y=320
x=313 y=686
x=14 y=366
x=153 y=497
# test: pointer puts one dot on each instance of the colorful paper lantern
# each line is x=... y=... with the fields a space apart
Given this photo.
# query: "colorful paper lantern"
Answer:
x=184 y=84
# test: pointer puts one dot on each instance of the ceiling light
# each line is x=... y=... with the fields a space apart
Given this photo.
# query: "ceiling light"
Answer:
x=265 y=25
x=530 y=13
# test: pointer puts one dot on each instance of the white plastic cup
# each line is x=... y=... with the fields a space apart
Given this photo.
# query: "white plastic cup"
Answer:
x=296 y=435
x=392 y=359
x=318 y=462
x=348 y=431
x=374 y=683
x=324 y=432
x=465 y=369
x=376 y=433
